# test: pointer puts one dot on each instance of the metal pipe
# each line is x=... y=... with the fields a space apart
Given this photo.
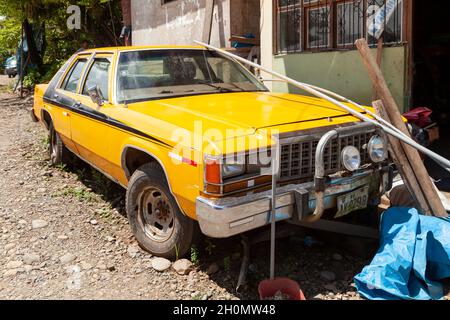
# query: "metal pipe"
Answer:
x=319 y=176
x=275 y=167
x=445 y=163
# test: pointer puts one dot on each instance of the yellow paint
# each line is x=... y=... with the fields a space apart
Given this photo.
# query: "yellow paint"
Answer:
x=247 y=114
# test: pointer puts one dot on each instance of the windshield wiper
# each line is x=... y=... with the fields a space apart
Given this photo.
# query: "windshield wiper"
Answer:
x=165 y=92
x=220 y=88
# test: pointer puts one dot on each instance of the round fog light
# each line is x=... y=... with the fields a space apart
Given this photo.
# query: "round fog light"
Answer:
x=351 y=159
x=377 y=149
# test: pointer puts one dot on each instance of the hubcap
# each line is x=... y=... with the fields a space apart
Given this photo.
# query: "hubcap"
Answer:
x=155 y=214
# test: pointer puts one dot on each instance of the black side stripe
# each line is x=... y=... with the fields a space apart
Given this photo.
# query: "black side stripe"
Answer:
x=84 y=110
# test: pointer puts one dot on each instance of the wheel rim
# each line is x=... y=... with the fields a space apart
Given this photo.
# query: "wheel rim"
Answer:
x=156 y=214
x=53 y=146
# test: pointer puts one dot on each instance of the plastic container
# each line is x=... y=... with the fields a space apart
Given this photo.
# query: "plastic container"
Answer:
x=268 y=289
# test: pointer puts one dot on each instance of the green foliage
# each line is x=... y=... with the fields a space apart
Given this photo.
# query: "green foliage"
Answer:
x=97 y=28
x=33 y=77
x=80 y=193
x=227 y=263
x=194 y=256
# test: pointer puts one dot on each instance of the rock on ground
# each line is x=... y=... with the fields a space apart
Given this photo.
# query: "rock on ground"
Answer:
x=161 y=264
x=183 y=266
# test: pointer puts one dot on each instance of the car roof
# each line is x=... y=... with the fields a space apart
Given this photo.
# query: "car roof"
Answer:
x=134 y=48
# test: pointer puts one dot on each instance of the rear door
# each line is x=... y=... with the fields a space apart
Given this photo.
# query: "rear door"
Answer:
x=90 y=123
x=62 y=99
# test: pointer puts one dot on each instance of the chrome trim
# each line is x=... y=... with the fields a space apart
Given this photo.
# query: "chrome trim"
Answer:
x=225 y=217
x=319 y=175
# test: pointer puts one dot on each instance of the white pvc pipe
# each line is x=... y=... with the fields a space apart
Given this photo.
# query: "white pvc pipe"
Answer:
x=308 y=88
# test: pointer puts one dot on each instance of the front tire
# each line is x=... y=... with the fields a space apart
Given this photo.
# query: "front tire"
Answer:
x=155 y=218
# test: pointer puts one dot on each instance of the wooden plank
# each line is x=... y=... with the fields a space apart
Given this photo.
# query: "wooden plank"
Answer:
x=253 y=41
x=401 y=161
x=207 y=25
x=379 y=58
x=428 y=189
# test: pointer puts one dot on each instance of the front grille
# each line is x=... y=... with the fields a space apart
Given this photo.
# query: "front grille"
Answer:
x=298 y=158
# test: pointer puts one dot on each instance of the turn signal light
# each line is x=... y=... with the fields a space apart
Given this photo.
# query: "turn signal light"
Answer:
x=212 y=171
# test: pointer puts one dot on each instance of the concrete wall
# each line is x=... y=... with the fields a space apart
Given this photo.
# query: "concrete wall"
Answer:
x=343 y=72
x=178 y=22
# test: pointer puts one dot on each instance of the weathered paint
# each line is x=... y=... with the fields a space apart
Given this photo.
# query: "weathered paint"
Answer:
x=343 y=72
x=178 y=22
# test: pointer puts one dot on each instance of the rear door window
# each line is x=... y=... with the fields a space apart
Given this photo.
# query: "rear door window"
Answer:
x=70 y=83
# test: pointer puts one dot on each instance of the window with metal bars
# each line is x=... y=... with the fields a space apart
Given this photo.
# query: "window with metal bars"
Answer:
x=315 y=25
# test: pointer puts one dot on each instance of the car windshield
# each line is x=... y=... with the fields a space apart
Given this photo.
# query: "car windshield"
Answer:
x=155 y=74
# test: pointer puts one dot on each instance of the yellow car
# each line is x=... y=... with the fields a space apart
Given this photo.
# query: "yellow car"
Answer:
x=193 y=136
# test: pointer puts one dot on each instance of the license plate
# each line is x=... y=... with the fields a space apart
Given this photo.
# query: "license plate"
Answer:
x=352 y=201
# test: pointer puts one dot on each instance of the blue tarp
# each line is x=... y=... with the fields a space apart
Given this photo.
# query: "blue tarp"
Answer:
x=413 y=257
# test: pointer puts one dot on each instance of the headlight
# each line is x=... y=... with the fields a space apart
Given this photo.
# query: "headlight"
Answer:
x=351 y=159
x=232 y=170
x=377 y=149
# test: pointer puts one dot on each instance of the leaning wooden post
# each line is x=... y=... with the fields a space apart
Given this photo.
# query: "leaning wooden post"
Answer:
x=401 y=161
x=390 y=107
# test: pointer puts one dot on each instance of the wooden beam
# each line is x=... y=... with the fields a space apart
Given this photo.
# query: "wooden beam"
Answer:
x=435 y=206
x=379 y=58
x=401 y=161
x=207 y=25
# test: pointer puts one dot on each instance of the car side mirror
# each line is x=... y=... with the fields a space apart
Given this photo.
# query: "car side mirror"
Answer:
x=96 y=95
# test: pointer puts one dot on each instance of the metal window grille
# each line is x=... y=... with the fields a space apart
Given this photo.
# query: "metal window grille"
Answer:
x=316 y=25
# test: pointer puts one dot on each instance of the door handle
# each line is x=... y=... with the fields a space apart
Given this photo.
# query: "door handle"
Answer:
x=77 y=104
x=65 y=114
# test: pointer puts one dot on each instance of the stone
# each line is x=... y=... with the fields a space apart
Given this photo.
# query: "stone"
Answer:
x=161 y=264
x=182 y=266
x=93 y=222
x=10 y=273
x=9 y=246
x=85 y=265
x=38 y=224
x=132 y=251
x=328 y=275
x=68 y=257
x=213 y=268
x=14 y=264
x=31 y=258
x=63 y=237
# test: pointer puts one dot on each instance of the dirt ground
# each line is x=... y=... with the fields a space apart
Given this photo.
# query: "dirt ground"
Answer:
x=64 y=235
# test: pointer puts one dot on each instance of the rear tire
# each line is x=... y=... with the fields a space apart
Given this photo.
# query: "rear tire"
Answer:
x=155 y=218
x=58 y=153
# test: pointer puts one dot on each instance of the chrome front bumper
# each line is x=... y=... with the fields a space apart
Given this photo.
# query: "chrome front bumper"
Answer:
x=225 y=217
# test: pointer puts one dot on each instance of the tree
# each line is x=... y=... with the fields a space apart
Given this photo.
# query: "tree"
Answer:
x=101 y=22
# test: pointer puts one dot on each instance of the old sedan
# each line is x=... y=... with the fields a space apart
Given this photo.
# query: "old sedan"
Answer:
x=180 y=129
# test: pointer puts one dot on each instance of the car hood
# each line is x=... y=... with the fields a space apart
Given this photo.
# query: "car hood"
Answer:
x=249 y=111
x=245 y=110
